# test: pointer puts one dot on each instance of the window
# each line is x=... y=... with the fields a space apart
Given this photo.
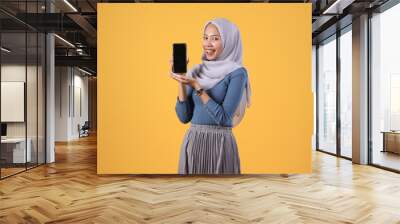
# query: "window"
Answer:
x=327 y=95
x=346 y=93
x=385 y=88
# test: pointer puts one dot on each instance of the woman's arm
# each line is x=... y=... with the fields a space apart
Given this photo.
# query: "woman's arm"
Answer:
x=223 y=113
x=182 y=92
x=184 y=103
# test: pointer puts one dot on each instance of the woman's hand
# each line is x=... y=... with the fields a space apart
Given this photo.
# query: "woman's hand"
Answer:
x=183 y=79
x=186 y=80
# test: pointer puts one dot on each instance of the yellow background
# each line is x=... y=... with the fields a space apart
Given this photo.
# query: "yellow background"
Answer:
x=138 y=130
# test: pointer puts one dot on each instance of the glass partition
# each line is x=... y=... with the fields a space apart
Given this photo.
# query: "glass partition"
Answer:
x=22 y=77
x=14 y=153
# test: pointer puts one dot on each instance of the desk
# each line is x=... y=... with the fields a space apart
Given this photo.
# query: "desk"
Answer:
x=13 y=150
x=391 y=141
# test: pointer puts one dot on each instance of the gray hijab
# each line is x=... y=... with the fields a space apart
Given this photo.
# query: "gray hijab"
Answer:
x=209 y=73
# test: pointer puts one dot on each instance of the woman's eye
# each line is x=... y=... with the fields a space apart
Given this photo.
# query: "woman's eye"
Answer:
x=212 y=38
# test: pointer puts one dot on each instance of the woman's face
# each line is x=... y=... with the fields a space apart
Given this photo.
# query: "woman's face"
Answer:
x=212 y=43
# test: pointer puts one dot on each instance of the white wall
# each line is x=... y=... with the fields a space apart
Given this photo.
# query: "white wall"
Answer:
x=71 y=87
x=62 y=81
x=12 y=73
x=81 y=84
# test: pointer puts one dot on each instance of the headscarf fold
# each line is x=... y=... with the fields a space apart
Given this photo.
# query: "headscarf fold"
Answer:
x=209 y=73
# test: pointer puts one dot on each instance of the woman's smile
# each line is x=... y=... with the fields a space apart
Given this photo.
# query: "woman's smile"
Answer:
x=212 y=43
x=209 y=52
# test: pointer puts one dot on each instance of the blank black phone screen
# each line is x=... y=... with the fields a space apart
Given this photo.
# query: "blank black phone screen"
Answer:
x=179 y=52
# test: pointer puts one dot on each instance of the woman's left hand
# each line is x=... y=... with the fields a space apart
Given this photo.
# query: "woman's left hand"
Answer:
x=188 y=80
x=192 y=82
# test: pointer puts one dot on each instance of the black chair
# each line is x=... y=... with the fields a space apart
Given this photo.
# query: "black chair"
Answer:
x=84 y=130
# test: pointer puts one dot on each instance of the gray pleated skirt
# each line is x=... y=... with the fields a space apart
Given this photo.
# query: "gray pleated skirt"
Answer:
x=208 y=149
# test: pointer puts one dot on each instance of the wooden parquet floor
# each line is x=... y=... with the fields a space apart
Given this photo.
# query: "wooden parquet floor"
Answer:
x=69 y=191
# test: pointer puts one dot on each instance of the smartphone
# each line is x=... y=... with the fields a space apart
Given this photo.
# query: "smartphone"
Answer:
x=179 y=54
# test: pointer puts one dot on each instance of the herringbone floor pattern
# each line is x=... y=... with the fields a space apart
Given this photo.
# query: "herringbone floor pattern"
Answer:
x=69 y=191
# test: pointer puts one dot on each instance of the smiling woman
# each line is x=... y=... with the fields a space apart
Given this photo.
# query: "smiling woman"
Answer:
x=213 y=96
x=211 y=93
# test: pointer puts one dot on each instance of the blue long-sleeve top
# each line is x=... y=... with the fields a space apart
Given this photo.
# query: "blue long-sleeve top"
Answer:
x=225 y=96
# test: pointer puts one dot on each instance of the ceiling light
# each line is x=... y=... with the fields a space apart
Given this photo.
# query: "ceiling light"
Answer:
x=5 y=50
x=79 y=51
x=84 y=71
x=70 y=5
x=64 y=40
x=338 y=6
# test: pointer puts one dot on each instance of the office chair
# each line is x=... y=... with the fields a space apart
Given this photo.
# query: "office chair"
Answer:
x=84 y=130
